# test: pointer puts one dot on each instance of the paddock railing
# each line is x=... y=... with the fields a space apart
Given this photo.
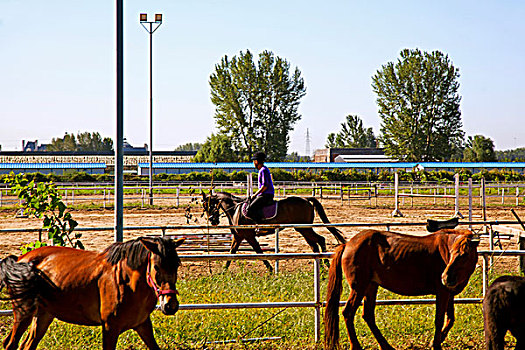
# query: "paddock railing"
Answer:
x=317 y=303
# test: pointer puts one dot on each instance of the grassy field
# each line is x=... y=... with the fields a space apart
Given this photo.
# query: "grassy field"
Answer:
x=405 y=327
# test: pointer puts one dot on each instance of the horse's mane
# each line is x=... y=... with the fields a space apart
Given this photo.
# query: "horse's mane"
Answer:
x=463 y=243
x=230 y=196
x=136 y=253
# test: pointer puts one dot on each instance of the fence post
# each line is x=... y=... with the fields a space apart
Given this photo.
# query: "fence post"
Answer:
x=0 y=198
x=317 y=297
x=503 y=196
x=456 y=199
x=483 y=199
x=178 y=196
x=277 y=250
x=470 y=202
x=142 y=197
x=517 y=196
x=522 y=257
x=485 y=274
x=396 y=211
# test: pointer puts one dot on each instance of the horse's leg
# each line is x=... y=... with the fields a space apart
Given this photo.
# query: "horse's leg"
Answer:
x=257 y=247
x=145 y=331
x=109 y=337
x=39 y=327
x=349 y=313
x=450 y=318
x=236 y=242
x=20 y=324
x=314 y=240
x=442 y=300
x=369 y=304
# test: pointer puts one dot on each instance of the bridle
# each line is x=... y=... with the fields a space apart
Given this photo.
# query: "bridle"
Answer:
x=154 y=286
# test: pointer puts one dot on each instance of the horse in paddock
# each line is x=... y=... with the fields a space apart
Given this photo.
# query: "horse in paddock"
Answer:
x=291 y=210
x=116 y=289
x=440 y=263
x=504 y=310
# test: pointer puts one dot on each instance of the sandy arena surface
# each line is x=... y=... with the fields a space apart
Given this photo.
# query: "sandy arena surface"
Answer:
x=290 y=240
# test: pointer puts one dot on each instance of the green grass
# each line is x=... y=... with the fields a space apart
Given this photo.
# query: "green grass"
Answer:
x=405 y=327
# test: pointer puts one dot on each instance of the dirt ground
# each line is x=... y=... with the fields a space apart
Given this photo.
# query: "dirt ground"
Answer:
x=290 y=241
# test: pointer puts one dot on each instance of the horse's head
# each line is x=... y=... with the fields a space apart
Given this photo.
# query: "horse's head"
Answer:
x=163 y=264
x=211 y=204
x=461 y=260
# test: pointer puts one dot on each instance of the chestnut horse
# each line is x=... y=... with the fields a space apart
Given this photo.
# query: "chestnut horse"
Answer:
x=116 y=289
x=440 y=263
x=292 y=210
x=504 y=310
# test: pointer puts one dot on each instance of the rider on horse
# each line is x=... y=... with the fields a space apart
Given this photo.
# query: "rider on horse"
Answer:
x=265 y=193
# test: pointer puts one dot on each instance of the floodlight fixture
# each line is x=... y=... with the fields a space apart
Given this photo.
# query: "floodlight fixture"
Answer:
x=158 y=17
x=143 y=17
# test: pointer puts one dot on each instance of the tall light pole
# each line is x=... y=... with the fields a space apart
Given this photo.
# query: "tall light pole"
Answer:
x=150 y=27
x=119 y=157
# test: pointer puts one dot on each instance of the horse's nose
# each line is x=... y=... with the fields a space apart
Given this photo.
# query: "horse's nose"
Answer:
x=170 y=307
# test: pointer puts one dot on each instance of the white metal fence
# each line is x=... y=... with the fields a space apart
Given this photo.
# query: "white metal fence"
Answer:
x=317 y=303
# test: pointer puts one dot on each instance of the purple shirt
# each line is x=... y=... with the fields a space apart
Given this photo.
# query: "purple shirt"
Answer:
x=265 y=179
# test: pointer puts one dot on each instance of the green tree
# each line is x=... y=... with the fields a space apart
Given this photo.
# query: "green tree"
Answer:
x=189 y=147
x=511 y=155
x=67 y=143
x=87 y=141
x=256 y=103
x=84 y=141
x=418 y=103
x=479 y=149
x=216 y=149
x=352 y=135
x=43 y=201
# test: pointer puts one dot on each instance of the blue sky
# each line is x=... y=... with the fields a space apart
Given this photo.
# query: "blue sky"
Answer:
x=57 y=63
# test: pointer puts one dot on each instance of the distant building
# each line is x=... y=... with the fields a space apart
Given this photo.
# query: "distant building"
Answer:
x=129 y=149
x=351 y=155
x=32 y=146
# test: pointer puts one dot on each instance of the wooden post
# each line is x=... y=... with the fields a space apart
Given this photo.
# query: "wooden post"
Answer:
x=178 y=196
x=396 y=211
x=456 y=199
x=470 y=202
x=522 y=257
x=517 y=196
x=483 y=199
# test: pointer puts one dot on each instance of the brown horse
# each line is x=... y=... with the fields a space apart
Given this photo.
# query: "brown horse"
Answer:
x=292 y=210
x=117 y=289
x=504 y=310
x=440 y=263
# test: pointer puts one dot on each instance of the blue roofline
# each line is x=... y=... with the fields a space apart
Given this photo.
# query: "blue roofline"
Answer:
x=367 y=165
x=52 y=165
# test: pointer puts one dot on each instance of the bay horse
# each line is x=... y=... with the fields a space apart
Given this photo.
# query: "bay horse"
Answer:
x=116 y=289
x=291 y=210
x=504 y=310
x=439 y=263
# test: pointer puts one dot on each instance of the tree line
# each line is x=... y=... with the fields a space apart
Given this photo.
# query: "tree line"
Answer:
x=256 y=107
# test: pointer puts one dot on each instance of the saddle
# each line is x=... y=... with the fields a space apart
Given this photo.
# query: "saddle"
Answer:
x=268 y=212
x=436 y=225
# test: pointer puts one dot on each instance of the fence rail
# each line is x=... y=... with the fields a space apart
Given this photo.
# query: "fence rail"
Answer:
x=317 y=303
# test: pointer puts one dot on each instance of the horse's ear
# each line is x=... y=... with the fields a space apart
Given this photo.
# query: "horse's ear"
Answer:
x=476 y=238
x=150 y=245
x=179 y=241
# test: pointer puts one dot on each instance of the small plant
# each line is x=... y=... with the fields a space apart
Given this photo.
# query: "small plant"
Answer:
x=42 y=200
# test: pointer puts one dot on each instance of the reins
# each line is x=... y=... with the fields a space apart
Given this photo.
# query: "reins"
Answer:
x=154 y=286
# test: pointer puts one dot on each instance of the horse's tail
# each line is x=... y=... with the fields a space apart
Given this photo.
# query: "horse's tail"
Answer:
x=333 y=296
x=23 y=282
x=320 y=211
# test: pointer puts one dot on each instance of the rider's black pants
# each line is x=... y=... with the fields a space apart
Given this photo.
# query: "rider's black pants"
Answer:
x=255 y=209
